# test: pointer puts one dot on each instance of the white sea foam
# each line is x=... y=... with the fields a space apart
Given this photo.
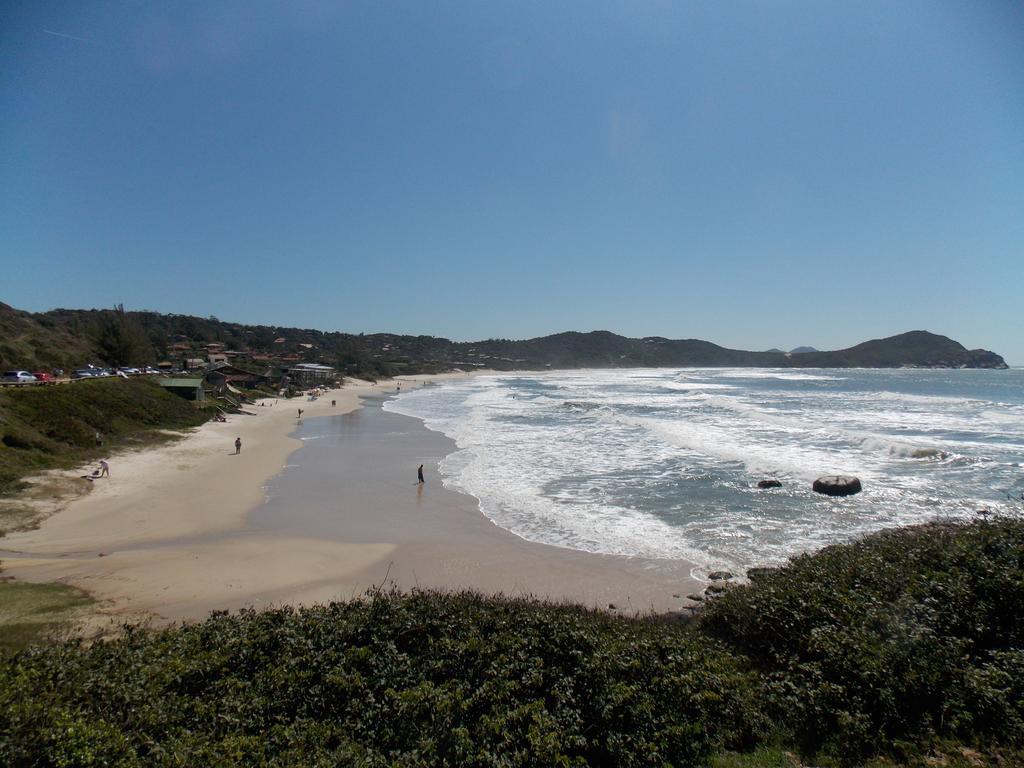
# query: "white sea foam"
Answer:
x=781 y=374
x=663 y=463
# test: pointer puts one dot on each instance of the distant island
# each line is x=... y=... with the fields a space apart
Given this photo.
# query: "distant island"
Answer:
x=69 y=338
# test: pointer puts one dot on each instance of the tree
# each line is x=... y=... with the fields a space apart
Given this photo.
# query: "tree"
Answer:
x=120 y=339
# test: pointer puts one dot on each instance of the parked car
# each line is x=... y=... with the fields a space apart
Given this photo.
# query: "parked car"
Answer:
x=43 y=376
x=21 y=377
x=82 y=373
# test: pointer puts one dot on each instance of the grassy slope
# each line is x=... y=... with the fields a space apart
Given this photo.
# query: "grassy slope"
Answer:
x=880 y=652
x=29 y=613
x=38 y=342
x=55 y=427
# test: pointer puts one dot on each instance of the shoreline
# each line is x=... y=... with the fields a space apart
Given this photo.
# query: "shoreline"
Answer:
x=170 y=536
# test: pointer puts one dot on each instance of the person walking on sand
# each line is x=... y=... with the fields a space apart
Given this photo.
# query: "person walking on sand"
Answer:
x=104 y=468
x=419 y=474
x=238 y=445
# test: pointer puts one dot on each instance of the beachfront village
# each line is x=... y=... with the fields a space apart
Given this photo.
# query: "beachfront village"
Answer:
x=200 y=371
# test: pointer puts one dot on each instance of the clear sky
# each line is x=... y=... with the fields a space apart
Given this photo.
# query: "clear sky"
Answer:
x=758 y=174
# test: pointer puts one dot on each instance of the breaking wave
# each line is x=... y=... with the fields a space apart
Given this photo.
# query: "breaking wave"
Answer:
x=664 y=463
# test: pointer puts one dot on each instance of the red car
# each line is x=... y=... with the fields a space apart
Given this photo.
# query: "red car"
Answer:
x=40 y=376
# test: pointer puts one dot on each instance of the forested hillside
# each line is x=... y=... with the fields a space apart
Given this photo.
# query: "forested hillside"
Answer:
x=66 y=338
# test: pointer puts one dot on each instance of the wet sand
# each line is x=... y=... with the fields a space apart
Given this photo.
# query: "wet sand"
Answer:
x=355 y=481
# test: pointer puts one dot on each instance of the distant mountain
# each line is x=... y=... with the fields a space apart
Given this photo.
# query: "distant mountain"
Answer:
x=802 y=350
x=775 y=350
x=69 y=338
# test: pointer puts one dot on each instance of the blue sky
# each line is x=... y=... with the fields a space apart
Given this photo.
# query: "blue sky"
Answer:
x=755 y=174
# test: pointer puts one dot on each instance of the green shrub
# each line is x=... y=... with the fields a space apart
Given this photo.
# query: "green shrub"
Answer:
x=903 y=646
x=423 y=679
x=905 y=636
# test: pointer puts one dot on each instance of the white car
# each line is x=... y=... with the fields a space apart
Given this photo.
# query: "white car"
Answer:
x=19 y=376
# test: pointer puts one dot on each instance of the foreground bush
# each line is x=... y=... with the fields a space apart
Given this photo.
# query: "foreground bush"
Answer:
x=889 y=643
x=907 y=642
x=425 y=679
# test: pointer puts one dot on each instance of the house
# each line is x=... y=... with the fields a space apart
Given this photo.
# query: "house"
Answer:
x=191 y=363
x=232 y=375
x=190 y=389
x=217 y=358
x=310 y=374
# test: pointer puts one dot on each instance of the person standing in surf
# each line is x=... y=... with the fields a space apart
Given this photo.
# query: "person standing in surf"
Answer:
x=419 y=474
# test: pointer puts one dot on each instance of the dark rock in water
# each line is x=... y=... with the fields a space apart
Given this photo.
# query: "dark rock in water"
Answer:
x=837 y=485
x=769 y=484
x=717 y=575
x=756 y=573
x=697 y=598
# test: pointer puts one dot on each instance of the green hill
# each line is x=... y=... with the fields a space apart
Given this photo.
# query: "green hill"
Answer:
x=70 y=338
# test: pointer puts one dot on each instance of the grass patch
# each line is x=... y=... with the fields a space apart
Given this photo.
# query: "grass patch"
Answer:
x=16 y=517
x=31 y=613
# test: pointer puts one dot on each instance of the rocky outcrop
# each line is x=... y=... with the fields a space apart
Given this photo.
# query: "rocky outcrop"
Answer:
x=769 y=484
x=837 y=485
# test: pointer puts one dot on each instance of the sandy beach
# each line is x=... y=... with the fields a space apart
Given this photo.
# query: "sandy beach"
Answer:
x=184 y=529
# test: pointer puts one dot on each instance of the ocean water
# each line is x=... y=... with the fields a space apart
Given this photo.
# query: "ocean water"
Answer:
x=663 y=463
